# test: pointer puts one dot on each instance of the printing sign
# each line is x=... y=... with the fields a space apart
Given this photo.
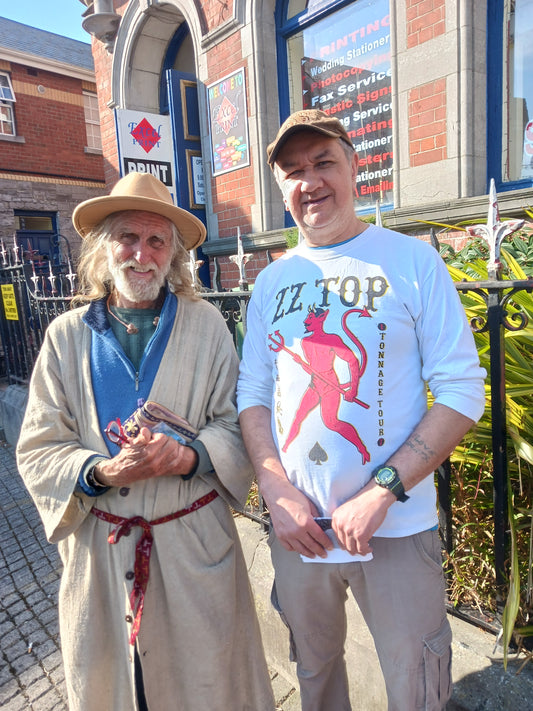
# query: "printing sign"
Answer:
x=145 y=145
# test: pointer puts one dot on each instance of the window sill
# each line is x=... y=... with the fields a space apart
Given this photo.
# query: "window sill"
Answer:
x=12 y=139
x=93 y=151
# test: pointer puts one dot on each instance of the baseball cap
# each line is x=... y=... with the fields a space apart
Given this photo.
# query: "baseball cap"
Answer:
x=306 y=120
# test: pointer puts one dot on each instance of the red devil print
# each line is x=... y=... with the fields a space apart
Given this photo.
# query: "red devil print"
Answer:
x=321 y=349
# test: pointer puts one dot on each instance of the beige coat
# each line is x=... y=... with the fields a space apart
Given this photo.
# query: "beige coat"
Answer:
x=199 y=640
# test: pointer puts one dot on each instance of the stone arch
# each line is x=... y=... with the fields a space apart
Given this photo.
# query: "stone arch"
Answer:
x=140 y=47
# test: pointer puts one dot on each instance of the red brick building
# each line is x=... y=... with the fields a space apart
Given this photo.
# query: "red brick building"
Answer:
x=50 y=151
x=437 y=96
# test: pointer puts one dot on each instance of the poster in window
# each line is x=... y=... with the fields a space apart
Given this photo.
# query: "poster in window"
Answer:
x=195 y=177
x=228 y=123
x=346 y=72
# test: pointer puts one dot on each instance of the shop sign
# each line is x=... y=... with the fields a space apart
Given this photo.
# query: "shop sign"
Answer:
x=145 y=145
x=346 y=72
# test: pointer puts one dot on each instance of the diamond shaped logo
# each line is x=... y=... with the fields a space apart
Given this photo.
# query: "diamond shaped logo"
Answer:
x=145 y=135
x=226 y=115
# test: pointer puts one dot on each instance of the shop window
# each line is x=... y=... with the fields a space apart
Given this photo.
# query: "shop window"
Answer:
x=92 y=121
x=7 y=102
x=336 y=57
x=510 y=93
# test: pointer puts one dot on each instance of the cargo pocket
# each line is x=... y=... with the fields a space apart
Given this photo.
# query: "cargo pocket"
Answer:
x=276 y=606
x=437 y=668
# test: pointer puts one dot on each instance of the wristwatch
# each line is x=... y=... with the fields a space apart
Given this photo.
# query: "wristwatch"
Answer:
x=388 y=478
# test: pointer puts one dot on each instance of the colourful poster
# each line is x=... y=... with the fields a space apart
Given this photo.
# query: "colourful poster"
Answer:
x=228 y=123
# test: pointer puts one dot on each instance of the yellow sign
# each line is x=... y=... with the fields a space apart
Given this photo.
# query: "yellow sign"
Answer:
x=10 y=304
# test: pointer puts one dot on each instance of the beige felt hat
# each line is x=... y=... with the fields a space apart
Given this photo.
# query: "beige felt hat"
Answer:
x=139 y=191
x=306 y=120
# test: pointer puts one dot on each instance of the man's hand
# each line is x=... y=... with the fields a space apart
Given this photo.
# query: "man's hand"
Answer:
x=145 y=457
x=291 y=512
x=292 y=515
x=355 y=522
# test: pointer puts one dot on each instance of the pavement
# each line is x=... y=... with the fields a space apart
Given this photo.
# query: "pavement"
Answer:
x=31 y=669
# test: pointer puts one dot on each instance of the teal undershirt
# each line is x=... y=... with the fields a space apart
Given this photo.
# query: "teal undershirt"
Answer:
x=133 y=344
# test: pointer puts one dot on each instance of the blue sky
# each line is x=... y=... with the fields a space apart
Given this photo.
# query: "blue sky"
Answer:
x=64 y=19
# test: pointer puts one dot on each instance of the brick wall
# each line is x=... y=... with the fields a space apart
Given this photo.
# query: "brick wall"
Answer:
x=425 y=20
x=229 y=272
x=215 y=13
x=49 y=116
x=102 y=65
x=427 y=123
x=427 y=103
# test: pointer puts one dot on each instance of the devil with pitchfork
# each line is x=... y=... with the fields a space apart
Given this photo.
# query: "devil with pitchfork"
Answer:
x=321 y=349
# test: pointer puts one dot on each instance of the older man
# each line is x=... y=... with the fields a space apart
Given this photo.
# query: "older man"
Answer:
x=155 y=605
x=344 y=333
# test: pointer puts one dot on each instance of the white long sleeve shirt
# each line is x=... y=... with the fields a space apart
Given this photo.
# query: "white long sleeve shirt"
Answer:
x=377 y=316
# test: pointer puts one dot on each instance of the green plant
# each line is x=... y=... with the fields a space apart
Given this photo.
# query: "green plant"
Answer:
x=472 y=560
x=291 y=237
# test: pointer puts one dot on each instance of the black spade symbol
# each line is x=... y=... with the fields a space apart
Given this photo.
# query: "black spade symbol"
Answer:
x=318 y=455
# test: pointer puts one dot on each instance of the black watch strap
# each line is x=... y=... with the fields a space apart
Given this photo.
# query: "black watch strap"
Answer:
x=387 y=477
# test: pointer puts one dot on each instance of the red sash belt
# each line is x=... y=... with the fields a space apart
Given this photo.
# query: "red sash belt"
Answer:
x=143 y=549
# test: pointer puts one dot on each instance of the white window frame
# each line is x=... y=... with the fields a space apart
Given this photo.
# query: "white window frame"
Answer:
x=7 y=99
x=92 y=121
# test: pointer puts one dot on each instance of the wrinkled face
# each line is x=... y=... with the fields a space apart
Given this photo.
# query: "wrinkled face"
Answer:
x=139 y=257
x=317 y=181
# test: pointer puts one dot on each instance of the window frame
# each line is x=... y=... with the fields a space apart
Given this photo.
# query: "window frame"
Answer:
x=286 y=28
x=7 y=102
x=494 y=128
x=91 y=122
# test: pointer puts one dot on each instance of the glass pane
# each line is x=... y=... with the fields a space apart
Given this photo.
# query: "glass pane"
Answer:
x=34 y=223
x=517 y=118
x=7 y=125
x=341 y=64
x=6 y=92
x=90 y=103
x=94 y=139
x=295 y=7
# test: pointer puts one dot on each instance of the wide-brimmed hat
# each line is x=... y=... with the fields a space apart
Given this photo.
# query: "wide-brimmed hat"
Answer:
x=306 y=120
x=139 y=191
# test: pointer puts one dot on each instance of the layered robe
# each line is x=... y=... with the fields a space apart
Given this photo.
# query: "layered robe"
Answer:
x=199 y=642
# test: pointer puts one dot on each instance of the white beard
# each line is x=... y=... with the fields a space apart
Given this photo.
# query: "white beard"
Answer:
x=133 y=289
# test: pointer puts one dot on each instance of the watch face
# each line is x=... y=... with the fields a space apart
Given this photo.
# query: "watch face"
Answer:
x=386 y=475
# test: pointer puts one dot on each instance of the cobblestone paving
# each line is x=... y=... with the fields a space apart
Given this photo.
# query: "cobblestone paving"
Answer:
x=31 y=668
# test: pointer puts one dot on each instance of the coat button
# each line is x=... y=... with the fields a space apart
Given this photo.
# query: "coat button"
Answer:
x=129 y=618
x=130 y=575
x=124 y=490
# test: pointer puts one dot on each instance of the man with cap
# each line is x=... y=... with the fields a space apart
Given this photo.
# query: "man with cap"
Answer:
x=155 y=605
x=343 y=333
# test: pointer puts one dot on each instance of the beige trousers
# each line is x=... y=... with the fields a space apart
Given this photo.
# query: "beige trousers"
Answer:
x=401 y=596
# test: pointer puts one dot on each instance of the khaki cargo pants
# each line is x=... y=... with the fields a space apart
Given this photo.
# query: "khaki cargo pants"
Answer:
x=401 y=596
